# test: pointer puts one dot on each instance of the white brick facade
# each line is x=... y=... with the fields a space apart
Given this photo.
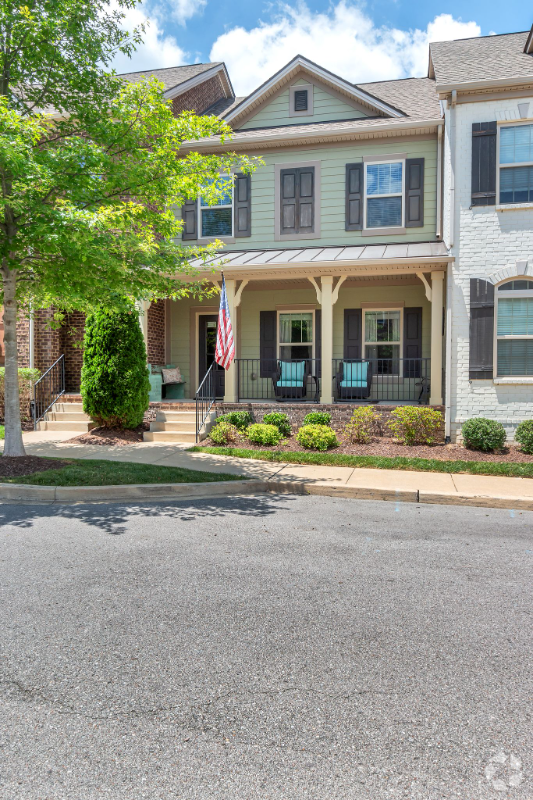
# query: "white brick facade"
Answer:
x=487 y=243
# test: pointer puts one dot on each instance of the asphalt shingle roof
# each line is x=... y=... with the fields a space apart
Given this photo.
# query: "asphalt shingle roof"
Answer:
x=171 y=76
x=416 y=97
x=224 y=106
x=483 y=58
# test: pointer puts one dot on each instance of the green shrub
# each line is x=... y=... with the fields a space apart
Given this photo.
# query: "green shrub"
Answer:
x=317 y=437
x=224 y=432
x=264 y=434
x=114 y=378
x=241 y=419
x=524 y=435
x=363 y=425
x=317 y=418
x=415 y=424
x=281 y=421
x=27 y=378
x=483 y=434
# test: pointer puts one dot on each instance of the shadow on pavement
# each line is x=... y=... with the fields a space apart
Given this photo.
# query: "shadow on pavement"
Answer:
x=111 y=518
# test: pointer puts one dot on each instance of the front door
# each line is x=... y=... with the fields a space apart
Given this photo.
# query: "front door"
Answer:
x=207 y=345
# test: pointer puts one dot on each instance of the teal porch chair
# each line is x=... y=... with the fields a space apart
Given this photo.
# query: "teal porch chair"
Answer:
x=290 y=380
x=354 y=380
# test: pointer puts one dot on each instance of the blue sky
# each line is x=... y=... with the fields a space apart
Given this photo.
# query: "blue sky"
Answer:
x=362 y=41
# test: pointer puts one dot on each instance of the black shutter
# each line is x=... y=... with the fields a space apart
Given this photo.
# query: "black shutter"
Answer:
x=414 y=193
x=412 y=341
x=352 y=333
x=354 y=196
x=481 y=330
x=300 y=100
x=242 y=206
x=189 y=215
x=297 y=201
x=484 y=163
x=318 y=343
x=267 y=343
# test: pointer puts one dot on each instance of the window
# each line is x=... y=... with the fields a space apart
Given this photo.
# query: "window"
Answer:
x=516 y=164
x=382 y=330
x=296 y=335
x=384 y=194
x=217 y=220
x=514 y=329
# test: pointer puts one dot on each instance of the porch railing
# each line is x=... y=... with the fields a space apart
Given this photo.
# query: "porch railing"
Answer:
x=260 y=378
x=204 y=399
x=48 y=389
x=393 y=380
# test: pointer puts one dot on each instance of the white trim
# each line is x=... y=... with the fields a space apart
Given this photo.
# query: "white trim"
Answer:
x=181 y=88
x=295 y=310
x=401 y=194
x=302 y=63
x=302 y=87
x=504 y=124
x=518 y=80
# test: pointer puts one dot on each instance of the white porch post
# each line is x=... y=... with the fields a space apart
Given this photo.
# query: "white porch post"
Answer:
x=326 y=381
x=437 y=297
x=143 y=306
x=230 y=390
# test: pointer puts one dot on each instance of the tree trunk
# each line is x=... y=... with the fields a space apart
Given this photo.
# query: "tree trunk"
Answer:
x=13 y=445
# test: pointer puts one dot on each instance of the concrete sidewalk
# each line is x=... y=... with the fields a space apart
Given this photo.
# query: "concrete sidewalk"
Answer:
x=375 y=484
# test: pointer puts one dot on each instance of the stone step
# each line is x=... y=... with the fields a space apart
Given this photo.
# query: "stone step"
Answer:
x=54 y=425
x=185 y=427
x=176 y=416
x=170 y=436
x=68 y=407
x=67 y=416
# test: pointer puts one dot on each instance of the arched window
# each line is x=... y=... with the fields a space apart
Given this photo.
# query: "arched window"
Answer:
x=514 y=328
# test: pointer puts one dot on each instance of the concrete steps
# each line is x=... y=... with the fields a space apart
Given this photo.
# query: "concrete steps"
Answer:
x=176 y=426
x=66 y=416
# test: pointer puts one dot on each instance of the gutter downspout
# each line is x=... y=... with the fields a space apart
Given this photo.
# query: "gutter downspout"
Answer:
x=448 y=344
x=438 y=232
x=32 y=339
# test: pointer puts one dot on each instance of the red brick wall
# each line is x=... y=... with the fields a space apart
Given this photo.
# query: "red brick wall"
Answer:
x=47 y=341
x=156 y=333
x=23 y=341
x=71 y=334
x=200 y=97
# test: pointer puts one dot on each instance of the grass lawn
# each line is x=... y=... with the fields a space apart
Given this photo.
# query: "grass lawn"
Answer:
x=501 y=468
x=82 y=472
x=2 y=432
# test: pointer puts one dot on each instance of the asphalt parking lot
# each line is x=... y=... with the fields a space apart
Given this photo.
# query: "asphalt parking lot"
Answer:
x=265 y=648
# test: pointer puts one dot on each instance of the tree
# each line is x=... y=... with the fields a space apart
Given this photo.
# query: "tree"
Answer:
x=90 y=172
x=115 y=383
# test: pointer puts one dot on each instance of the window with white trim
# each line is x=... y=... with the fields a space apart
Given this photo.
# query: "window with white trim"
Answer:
x=384 y=190
x=296 y=334
x=216 y=219
x=514 y=329
x=383 y=340
x=516 y=164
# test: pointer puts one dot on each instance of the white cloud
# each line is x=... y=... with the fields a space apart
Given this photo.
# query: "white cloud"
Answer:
x=344 y=40
x=182 y=10
x=157 y=50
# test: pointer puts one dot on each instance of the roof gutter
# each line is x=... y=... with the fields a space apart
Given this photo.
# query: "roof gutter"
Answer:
x=469 y=86
x=288 y=136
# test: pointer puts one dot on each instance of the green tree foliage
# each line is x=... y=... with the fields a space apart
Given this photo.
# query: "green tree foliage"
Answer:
x=89 y=172
x=115 y=383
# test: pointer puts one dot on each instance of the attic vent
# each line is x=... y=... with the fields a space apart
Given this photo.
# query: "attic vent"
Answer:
x=300 y=100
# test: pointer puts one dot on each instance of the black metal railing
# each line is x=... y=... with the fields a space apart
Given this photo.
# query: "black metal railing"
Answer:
x=204 y=399
x=48 y=389
x=382 y=380
x=284 y=379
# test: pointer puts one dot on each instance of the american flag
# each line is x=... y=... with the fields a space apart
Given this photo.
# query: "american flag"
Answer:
x=225 y=349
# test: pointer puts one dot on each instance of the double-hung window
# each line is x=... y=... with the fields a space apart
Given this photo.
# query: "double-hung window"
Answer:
x=296 y=335
x=514 y=329
x=216 y=220
x=516 y=164
x=384 y=190
x=383 y=340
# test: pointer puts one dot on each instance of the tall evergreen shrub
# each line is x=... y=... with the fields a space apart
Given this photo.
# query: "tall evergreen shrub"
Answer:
x=114 y=379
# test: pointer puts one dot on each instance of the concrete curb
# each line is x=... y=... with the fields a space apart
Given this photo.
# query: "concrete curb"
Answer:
x=190 y=491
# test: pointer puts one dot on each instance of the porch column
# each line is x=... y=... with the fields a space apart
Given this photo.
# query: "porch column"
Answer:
x=230 y=390
x=143 y=306
x=326 y=381
x=437 y=297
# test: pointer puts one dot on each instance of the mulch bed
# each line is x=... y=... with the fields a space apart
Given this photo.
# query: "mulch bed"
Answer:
x=11 y=466
x=111 y=436
x=391 y=449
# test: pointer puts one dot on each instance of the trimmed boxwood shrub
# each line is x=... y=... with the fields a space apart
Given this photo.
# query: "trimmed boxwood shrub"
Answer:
x=114 y=377
x=281 y=421
x=483 y=434
x=415 y=424
x=524 y=435
x=264 y=434
x=317 y=437
x=317 y=418
x=241 y=419
x=363 y=425
x=224 y=433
